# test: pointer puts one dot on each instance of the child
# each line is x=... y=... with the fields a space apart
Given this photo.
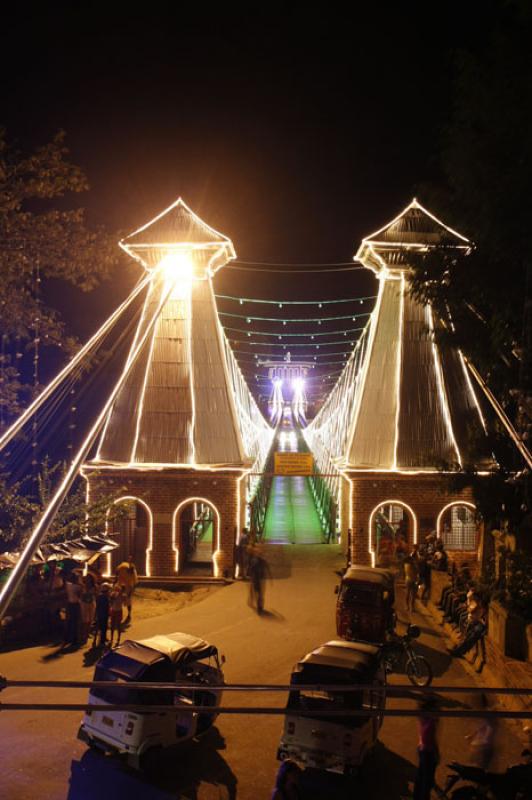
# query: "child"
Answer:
x=102 y=615
x=116 y=603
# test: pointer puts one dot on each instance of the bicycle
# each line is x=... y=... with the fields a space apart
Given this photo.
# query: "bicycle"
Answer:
x=398 y=655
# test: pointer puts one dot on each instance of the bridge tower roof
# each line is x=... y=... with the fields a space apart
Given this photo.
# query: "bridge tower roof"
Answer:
x=177 y=406
x=414 y=229
x=415 y=403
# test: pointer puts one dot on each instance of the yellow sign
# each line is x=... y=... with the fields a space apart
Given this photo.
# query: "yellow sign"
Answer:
x=293 y=463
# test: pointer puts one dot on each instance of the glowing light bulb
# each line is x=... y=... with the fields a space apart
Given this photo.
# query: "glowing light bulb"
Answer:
x=178 y=271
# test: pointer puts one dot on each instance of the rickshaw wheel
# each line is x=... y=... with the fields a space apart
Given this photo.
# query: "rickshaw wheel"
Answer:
x=419 y=671
x=149 y=761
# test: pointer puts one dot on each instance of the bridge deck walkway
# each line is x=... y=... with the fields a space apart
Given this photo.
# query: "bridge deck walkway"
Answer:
x=291 y=516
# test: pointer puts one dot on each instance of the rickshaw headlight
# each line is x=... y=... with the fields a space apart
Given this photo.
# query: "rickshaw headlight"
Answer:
x=129 y=728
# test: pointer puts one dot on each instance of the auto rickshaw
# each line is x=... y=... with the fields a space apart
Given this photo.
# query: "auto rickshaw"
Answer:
x=177 y=657
x=365 y=605
x=316 y=732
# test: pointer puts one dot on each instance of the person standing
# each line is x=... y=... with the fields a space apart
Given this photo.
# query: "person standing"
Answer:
x=116 y=606
x=126 y=576
x=102 y=616
x=88 y=605
x=73 y=610
x=411 y=578
x=428 y=751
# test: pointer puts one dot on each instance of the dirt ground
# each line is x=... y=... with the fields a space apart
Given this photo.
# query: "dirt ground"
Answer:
x=154 y=602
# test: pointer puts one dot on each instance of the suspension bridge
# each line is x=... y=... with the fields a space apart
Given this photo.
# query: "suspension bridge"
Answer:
x=181 y=439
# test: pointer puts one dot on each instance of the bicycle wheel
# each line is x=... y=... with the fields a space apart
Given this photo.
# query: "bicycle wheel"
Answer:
x=419 y=671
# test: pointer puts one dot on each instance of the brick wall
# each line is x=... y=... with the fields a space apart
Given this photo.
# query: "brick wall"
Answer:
x=163 y=491
x=426 y=495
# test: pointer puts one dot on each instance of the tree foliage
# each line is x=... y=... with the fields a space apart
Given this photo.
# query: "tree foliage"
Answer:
x=40 y=239
x=485 y=173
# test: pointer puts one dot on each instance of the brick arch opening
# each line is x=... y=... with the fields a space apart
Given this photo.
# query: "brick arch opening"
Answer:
x=195 y=547
x=134 y=533
x=456 y=525
x=388 y=522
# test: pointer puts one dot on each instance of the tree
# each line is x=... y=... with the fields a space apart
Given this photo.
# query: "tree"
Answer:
x=482 y=190
x=40 y=239
x=485 y=174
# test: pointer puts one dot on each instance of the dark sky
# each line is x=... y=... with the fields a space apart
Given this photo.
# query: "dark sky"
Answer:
x=294 y=129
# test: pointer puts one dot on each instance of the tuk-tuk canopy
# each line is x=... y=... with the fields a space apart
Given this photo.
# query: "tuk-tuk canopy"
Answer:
x=369 y=574
x=354 y=661
x=180 y=647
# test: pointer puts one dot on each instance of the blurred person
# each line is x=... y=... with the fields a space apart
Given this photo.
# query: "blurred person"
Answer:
x=258 y=572
x=428 y=750
x=482 y=739
x=287 y=782
x=73 y=610
x=411 y=578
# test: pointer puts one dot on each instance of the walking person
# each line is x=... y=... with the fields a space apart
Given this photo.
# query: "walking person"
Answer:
x=482 y=740
x=73 y=610
x=428 y=751
x=258 y=572
x=126 y=576
x=411 y=579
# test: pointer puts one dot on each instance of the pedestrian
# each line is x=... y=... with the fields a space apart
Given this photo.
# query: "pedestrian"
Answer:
x=243 y=546
x=73 y=610
x=287 y=782
x=425 y=575
x=258 y=572
x=428 y=752
x=440 y=559
x=88 y=605
x=126 y=576
x=116 y=606
x=102 y=615
x=482 y=739
x=411 y=577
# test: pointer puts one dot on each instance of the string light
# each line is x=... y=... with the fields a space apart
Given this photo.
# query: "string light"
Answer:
x=298 y=334
x=281 y=303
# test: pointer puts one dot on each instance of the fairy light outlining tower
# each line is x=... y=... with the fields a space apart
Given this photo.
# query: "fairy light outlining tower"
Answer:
x=407 y=408
x=173 y=441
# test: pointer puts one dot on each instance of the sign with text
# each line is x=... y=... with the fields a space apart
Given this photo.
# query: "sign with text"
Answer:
x=293 y=463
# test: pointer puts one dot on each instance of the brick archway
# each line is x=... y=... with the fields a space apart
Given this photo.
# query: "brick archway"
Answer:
x=372 y=545
x=176 y=518
x=149 y=545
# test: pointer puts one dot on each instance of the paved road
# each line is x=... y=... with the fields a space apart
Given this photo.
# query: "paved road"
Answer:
x=41 y=756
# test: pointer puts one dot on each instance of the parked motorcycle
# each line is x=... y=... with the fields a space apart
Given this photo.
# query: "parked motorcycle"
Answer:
x=514 y=784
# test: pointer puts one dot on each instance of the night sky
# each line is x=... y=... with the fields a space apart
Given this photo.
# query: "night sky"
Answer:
x=294 y=130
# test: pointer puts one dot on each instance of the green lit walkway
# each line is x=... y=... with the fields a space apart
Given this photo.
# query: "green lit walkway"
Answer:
x=291 y=516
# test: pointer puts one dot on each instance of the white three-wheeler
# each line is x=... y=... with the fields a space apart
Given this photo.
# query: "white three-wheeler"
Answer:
x=328 y=725
x=176 y=658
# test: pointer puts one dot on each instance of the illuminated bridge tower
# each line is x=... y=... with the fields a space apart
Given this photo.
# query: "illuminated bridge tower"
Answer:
x=407 y=407
x=416 y=404
x=184 y=431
